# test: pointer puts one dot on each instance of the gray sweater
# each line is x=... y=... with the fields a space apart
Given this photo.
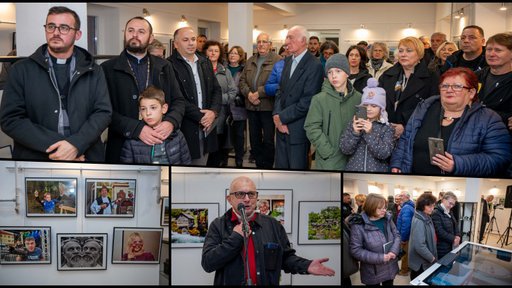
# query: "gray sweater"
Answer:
x=422 y=245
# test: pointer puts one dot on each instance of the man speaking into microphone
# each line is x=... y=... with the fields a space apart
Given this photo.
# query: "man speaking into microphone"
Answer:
x=268 y=249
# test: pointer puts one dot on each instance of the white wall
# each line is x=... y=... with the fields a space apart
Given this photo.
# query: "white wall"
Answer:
x=147 y=214
x=208 y=185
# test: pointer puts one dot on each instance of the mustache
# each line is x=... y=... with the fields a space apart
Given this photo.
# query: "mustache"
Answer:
x=56 y=38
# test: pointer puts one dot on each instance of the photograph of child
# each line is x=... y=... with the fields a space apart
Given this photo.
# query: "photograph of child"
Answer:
x=50 y=197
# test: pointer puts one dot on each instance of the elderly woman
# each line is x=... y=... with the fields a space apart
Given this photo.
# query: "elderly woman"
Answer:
x=475 y=138
x=370 y=230
x=357 y=63
x=422 y=247
x=378 y=63
x=443 y=51
x=445 y=225
x=407 y=83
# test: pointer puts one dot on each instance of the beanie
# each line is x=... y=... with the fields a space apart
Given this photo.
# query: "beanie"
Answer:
x=374 y=95
x=337 y=61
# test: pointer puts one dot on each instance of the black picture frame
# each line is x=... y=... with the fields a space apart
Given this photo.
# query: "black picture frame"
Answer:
x=13 y=247
x=307 y=207
x=124 y=209
x=66 y=205
x=181 y=237
x=165 y=211
x=152 y=243
x=68 y=243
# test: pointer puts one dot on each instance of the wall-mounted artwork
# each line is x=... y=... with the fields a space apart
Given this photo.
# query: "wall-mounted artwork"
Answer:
x=81 y=251
x=110 y=197
x=25 y=245
x=136 y=245
x=54 y=197
x=190 y=223
x=319 y=222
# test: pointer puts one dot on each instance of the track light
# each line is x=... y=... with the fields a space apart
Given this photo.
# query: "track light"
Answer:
x=503 y=8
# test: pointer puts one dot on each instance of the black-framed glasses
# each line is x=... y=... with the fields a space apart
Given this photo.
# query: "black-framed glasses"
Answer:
x=455 y=87
x=63 y=29
x=241 y=194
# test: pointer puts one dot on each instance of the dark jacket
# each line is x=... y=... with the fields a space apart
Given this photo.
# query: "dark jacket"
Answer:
x=294 y=96
x=29 y=112
x=366 y=245
x=136 y=151
x=446 y=229
x=238 y=110
x=350 y=265
x=124 y=95
x=212 y=100
x=361 y=80
x=480 y=143
x=454 y=60
x=421 y=85
x=222 y=252
x=499 y=98
x=422 y=246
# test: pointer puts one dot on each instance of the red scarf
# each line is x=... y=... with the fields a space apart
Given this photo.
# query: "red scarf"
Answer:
x=250 y=247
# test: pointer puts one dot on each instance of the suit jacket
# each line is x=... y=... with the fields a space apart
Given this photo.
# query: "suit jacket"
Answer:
x=485 y=210
x=294 y=95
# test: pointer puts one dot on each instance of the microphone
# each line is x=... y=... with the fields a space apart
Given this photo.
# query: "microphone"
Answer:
x=241 y=210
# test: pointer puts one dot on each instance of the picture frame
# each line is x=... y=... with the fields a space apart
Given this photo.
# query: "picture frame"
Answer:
x=82 y=251
x=190 y=222
x=121 y=194
x=25 y=245
x=164 y=212
x=50 y=197
x=280 y=202
x=319 y=222
x=146 y=240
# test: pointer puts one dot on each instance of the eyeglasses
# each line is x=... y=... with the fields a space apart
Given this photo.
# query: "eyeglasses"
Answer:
x=455 y=87
x=263 y=42
x=241 y=194
x=233 y=53
x=63 y=29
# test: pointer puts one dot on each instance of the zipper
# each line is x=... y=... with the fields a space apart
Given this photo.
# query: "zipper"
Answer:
x=365 y=155
x=329 y=123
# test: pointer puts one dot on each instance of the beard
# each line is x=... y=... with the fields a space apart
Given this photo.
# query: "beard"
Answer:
x=58 y=49
x=136 y=46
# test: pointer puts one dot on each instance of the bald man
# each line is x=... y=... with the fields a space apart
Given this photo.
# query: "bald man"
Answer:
x=269 y=249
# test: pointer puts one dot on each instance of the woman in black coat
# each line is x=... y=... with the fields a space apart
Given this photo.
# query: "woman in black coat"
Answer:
x=447 y=229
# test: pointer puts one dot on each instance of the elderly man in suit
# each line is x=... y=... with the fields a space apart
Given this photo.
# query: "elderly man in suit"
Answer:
x=301 y=78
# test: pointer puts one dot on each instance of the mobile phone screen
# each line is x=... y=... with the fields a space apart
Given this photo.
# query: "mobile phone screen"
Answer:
x=361 y=113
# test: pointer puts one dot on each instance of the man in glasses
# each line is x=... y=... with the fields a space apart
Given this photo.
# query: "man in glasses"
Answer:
x=56 y=104
x=269 y=249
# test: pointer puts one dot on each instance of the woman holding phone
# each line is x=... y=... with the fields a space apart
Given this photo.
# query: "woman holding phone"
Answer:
x=475 y=139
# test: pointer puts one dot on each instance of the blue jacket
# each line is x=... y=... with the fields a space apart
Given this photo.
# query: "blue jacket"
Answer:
x=275 y=77
x=480 y=142
x=404 y=221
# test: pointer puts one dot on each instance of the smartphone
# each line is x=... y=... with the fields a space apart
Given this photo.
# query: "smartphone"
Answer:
x=362 y=112
x=435 y=146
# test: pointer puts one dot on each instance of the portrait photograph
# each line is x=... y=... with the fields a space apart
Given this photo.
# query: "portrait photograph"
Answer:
x=319 y=222
x=190 y=222
x=164 y=215
x=82 y=251
x=110 y=197
x=136 y=245
x=50 y=197
x=25 y=245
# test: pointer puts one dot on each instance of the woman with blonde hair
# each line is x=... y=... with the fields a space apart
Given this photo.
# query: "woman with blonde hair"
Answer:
x=378 y=63
x=360 y=199
x=446 y=49
x=135 y=249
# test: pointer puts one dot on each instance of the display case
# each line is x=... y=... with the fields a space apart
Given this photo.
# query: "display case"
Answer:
x=467 y=217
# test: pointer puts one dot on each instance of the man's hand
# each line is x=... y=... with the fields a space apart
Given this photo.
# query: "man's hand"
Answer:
x=283 y=128
x=317 y=268
x=207 y=119
x=164 y=129
x=62 y=150
x=238 y=229
x=399 y=129
x=149 y=136
x=254 y=98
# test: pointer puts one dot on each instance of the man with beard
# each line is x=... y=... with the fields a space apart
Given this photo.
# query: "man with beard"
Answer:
x=82 y=252
x=128 y=75
x=135 y=250
x=55 y=103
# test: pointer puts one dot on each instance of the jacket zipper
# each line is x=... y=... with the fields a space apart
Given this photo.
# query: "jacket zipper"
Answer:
x=329 y=123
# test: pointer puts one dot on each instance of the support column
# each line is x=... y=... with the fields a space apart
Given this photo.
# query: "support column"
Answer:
x=240 y=25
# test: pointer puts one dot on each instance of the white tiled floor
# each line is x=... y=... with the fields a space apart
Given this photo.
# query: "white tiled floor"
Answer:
x=404 y=280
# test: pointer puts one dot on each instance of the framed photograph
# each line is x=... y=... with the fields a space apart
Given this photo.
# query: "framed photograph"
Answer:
x=276 y=203
x=164 y=213
x=110 y=197
x=190 y=223
x=25 y=245
x=82 y=251
x=319 y=222
x=53 y=197
x=136 y=245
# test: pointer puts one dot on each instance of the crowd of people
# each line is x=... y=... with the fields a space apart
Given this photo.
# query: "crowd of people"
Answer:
x=352 y=111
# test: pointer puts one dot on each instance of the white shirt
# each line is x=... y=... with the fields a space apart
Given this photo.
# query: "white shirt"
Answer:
x=296 y=60
x=197 y=80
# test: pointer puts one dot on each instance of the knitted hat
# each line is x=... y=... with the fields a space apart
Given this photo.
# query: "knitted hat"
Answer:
x=337 y=61
x=374 y=95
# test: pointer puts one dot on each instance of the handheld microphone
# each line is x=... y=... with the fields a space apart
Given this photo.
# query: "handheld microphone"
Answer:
x=241 y=210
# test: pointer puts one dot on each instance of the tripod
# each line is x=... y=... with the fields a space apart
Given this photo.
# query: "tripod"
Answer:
x=491 y=225
x=507 y=231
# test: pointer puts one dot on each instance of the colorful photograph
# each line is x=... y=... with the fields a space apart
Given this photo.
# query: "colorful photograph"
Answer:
x=137 y=245
x=82 y=251
x=164 y=216
x=319 y=222
x=190 y=222
x=25 y=245
x=110 y=197
x=53 y=197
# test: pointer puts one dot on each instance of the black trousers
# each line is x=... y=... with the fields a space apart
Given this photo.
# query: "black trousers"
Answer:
x=291 y=156
x=238 y=130
x=482 y=228
x=261 y=134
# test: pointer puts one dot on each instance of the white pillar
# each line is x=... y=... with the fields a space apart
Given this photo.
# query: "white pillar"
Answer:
x=240 y=25
x=30 y=19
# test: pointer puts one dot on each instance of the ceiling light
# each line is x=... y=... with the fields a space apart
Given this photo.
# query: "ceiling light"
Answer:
x=503 y=8
x=145 y=12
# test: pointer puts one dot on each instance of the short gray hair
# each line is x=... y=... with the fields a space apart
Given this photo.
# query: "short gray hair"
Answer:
x=406 y=194
x=303 y=32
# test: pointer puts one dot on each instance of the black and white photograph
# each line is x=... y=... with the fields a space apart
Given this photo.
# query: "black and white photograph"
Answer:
x=82 y=251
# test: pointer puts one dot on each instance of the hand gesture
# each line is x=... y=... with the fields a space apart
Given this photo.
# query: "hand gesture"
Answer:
x=238 y=229
x=207 y=119
x=445 y=162
x=367 y=125
x=396 y=170
x=357 y=125
x=456 y=241
x=62 y=150
x=149 y=136
x=103 y=205
x=399 y=129
x=164 y=129
x=36 y=193
x=317 y=268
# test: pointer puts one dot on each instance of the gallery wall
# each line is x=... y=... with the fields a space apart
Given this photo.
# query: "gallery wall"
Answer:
x=200 y=185
x=147 y=214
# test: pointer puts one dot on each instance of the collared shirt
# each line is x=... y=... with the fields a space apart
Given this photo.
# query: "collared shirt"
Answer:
x=296 y=60
x=197 y=80
x=446 y=211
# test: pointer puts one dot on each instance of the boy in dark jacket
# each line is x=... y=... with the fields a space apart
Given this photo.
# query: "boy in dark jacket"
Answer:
x=173 y=150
